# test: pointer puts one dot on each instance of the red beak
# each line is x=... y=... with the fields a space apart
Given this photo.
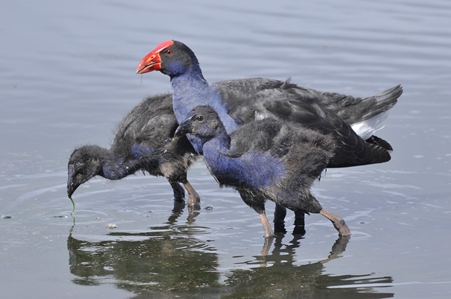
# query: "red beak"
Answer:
x=152 y=61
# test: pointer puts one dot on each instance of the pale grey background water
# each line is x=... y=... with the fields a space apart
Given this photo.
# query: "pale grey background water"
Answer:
x=67 y=78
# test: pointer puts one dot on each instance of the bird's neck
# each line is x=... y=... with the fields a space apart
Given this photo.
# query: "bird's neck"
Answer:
x=191 y=90
x=116 y=168
x=220 y=142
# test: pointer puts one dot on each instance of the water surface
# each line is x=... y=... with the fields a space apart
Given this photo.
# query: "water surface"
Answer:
x=67 y=78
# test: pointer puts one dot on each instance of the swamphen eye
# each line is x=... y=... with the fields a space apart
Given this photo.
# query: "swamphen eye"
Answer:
x=199 y=118
x=78 y=166
x=168 y=52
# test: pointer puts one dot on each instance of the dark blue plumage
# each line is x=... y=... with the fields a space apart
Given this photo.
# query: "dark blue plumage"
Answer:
x=264 y=159
x=350 y=121
x=141 y=143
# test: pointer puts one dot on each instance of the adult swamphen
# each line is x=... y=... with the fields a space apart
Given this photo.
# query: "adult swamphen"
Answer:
x=241 y=101
x=264 y=159
x=142 y=142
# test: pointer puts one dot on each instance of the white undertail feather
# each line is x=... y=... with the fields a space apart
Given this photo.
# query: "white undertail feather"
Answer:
x=259 y=115
x=365 y=129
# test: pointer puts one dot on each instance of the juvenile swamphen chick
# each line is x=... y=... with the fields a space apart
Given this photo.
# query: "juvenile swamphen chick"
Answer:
x=141 y=143
x=264 y=159
x=351 y=121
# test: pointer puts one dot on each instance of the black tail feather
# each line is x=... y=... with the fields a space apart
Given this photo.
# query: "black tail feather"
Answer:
x=380 y=149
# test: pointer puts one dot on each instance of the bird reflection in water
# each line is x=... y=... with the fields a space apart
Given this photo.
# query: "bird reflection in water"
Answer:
x=277 y=276
x=171 y=259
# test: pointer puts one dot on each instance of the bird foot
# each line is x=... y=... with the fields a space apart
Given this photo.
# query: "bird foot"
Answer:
x=193 y=201
x=338 y=222
x=193 y=196
x=193 y=207
x=266 y=226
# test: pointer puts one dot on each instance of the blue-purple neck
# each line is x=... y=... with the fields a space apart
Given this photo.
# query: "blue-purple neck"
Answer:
x=192 y=90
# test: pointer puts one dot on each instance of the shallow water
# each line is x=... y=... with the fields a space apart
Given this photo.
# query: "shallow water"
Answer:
x=67 y=78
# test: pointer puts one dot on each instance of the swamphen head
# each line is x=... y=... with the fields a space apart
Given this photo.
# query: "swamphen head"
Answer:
x=171 y=57
x=202 y=122
x=84 y=163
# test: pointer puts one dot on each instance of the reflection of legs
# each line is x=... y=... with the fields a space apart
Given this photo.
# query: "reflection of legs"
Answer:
x=193 y=197
x=337 y=249
x=177 y=211
x=266 y=247
x=338 y=223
